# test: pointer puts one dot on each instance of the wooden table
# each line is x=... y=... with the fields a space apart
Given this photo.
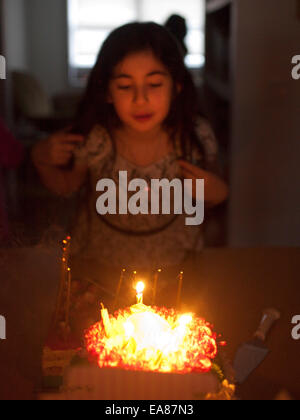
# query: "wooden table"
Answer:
x=231 y=287
x=228 y=287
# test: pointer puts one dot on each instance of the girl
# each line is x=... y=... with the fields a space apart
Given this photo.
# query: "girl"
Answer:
x=139 y=114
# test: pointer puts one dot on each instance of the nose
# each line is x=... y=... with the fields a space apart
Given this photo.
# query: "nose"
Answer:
x=140 y=95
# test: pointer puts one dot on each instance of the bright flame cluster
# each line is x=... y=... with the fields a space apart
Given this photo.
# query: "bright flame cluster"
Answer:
x=152 y=339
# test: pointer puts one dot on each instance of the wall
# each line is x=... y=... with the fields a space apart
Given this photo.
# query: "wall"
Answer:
x=14 y=48
x=265 y=175
x=36 y=40
x=47 y=40
x=15 y=36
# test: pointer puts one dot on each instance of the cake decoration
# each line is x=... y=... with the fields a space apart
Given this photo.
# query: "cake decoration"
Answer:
x=152 y=339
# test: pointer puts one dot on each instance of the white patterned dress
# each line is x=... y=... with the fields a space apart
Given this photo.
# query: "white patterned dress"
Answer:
x=147 y=241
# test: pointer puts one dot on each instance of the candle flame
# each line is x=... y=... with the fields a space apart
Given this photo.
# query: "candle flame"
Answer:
x=140 y=287
x=185 y=319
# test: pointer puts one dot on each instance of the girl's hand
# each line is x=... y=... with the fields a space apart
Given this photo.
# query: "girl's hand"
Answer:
x=215 y=189
x=50 y=157
x=61 y=146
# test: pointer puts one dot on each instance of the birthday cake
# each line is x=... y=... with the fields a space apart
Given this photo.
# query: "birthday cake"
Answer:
x=139 y=353
x=148 y=353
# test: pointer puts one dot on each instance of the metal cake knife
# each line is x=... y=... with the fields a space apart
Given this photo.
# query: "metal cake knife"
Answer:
x=251 y=354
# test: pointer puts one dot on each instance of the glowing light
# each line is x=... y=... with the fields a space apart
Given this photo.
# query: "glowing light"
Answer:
x=140 y=287
x=185 y=319
x=152 y=339
x=106 y=321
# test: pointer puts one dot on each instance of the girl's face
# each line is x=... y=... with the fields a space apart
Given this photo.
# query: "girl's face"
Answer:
x=141 y=91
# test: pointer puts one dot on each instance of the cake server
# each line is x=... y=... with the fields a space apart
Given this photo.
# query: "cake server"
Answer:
x=251 y=354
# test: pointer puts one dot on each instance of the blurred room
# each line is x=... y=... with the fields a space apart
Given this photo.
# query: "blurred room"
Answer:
x=240 y=56
x=243 y=81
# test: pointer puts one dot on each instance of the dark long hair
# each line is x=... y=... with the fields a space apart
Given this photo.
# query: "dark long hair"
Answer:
x=132 y=38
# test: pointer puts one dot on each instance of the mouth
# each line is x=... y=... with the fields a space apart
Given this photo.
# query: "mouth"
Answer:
x=143 y=117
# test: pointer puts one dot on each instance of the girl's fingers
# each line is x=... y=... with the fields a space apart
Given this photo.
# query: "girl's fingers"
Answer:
x=192 y=169
x=63 y=138
x=75 y=137
x=187 y=174
x=65 y=153
x=187 y=166
x=61 y=157
x=67 y=147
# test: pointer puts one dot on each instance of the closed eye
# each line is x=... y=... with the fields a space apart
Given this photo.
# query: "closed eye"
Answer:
x=155 y=85
x=152 y=85
x=124 y=87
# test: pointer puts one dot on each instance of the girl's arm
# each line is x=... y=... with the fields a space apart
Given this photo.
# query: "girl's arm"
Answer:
x=51 y=157
x=216 y=190
x=11 y=151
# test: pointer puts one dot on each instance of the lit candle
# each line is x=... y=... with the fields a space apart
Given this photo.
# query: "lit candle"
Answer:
x=68 y=300
x=60 y=305
x=133 y=277
x=106 y=321
x=155 y=286
x=119 y=287
x=139 y=290
x=180 y=281
x=66 y=250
